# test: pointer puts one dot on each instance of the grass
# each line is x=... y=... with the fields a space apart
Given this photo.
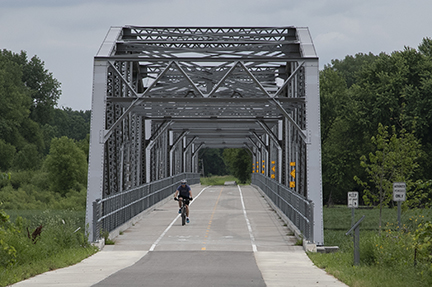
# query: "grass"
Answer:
x=386 y=260
x=61 y=243
x=219 y=180
x=340 y=265
x=62 y=259
x=36 y=217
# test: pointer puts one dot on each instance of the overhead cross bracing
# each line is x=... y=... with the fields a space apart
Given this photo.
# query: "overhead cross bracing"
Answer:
x=162 y=93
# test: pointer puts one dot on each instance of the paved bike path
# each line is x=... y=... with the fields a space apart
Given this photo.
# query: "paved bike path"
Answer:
x=234 y=239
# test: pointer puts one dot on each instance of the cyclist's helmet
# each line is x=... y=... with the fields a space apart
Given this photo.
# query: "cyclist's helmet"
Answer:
x=183 y=181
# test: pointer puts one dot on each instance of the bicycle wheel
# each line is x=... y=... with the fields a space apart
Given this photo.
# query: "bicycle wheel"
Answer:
x=183 y=215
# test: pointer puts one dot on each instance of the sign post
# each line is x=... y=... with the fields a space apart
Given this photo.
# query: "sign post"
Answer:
x=399 y=195
x=352 y=203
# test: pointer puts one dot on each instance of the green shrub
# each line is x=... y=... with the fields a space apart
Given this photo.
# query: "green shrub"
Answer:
x=394 y=247
x=24 y=197
x=31 y=197
x=422 y=239
x=66 y=165
x=8 y=252
x=40 y=180
x=73 y=200
x=20 y=178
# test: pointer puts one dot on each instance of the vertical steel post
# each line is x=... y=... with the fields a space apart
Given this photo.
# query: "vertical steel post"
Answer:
x=313 y=147
x=96 y=149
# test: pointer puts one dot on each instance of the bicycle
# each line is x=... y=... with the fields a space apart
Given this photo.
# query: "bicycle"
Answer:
x=185 y=201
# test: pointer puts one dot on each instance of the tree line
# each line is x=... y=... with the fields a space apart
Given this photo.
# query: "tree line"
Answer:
x=43 y=147
x=376 y=123
x=376 y=128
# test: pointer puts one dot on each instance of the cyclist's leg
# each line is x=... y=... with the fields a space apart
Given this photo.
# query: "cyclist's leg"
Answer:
x=180 y=203
x=187 y=208
x=187 y=212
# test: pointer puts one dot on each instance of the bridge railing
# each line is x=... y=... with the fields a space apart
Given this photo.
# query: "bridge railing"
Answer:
x=297 y=208
x=113 y=211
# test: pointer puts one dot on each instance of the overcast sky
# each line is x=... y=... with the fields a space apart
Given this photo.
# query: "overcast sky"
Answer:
x=66 y=34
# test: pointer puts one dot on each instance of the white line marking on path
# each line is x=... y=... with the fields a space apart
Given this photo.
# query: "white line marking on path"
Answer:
x=172 y=223
x=254 y=248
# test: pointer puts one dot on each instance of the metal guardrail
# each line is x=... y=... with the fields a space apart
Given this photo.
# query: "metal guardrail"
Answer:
x=111 y=212
x=297 y=208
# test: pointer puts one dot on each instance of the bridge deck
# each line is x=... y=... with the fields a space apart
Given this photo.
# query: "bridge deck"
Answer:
x=234 y=239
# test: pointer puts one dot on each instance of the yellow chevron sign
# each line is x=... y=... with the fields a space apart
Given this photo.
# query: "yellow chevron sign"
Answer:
x=292 y=173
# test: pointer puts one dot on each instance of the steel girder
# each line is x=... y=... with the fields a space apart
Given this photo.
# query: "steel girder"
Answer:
x=162 y=93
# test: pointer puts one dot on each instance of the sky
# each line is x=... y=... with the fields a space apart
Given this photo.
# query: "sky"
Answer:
x=66 y=34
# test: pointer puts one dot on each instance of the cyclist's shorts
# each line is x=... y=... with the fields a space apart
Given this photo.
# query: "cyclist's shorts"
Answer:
x=186 y=201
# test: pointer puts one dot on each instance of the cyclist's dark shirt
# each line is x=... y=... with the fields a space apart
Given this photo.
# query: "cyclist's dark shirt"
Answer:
x=184 y=191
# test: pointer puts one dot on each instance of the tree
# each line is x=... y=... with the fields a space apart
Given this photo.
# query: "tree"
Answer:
x=27 y=158
x=426 y=47
x=379 y=89
x=7 y=153
x=84 y=145
x=351 y=66
x=239 y=163
x=22 y=84
x=43 y=88
x=213 y=162
x=394 y=160
x=334 y=98
x=73 y=124
x=66 y=165
x=14 y=101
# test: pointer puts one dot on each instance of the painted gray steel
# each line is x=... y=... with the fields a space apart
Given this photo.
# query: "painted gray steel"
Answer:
x=160 y=94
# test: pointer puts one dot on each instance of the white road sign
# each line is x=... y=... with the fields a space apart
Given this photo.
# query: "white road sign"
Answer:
x=399 y=191
x=353 y=199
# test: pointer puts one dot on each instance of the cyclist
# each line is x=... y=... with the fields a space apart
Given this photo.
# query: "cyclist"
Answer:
x=184 y=191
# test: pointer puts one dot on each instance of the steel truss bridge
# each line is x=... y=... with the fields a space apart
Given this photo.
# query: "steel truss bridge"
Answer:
x=160 y=94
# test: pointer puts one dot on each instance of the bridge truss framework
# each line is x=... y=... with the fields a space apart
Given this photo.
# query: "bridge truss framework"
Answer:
x=160 y=94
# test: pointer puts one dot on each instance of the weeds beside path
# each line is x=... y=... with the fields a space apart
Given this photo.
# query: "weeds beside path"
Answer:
x=397 y=257
x=60 y=242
